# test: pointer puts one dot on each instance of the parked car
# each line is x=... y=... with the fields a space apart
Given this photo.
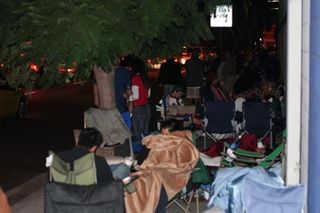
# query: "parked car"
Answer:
x=12 y=102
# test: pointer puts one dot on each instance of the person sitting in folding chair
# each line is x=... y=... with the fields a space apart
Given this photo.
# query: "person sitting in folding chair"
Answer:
x=88 y=142
x=172 y=105
x=165 y=171
x=174 y=98
x=81 y=181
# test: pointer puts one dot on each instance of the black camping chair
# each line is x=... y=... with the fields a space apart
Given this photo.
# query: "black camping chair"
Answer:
x=218 y=116
x=258 y=120
x=66 y=198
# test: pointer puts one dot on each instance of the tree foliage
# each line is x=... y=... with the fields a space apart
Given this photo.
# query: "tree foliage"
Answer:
x=84 y=33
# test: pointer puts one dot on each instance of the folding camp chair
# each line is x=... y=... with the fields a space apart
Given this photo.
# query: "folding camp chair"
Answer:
x=219 y=117
x=67 y=198
x=79 y=172
x=258 y=197
x=199 y=175
x=251 y=158
x=258 y=120
x=73 y=188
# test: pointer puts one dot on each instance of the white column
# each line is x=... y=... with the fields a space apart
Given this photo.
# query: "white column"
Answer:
x=305 y=84
x=294 y=58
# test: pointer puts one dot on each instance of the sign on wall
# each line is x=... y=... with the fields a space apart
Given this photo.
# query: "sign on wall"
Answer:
x=222 y=17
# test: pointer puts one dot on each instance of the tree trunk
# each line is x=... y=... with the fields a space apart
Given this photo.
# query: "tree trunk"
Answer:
x=103 y=89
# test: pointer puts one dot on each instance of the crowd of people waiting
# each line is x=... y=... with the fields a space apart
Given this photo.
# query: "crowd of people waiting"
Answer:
x=221 y=77
x=254 y=76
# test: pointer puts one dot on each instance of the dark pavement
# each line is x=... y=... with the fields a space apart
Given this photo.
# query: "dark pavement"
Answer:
x=50 y=118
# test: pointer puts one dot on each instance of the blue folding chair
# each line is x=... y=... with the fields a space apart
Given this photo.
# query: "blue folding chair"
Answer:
x=258 y=197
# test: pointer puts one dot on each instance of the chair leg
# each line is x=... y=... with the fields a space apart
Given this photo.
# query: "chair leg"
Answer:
x=185 y=209
x=197 y=199
x=189 y=202
x=184 y=201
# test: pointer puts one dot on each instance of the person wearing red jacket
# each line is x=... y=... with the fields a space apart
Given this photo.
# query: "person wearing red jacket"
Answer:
x=140 y=93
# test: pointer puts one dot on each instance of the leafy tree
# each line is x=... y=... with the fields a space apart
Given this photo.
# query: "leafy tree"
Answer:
x=93 y=34
x=97 y=32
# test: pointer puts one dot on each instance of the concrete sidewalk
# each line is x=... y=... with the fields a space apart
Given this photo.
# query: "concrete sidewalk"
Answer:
x=29 y=198
x=34 y=203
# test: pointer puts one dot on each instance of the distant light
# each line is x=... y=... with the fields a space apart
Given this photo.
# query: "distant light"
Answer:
x=34 y=67
x=273 y=1
x=260 y=39
x=72 y=70
x=275 y=8
x=183 y=60
x=1 y=65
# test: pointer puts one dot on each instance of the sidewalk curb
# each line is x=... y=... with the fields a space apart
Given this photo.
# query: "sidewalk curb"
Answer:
x=18 y=193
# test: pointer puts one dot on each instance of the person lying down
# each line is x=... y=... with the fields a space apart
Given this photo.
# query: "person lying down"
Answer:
x=169 y=164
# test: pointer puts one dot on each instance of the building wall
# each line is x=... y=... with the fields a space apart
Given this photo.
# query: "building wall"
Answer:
x=314 y=110
x=305 y=83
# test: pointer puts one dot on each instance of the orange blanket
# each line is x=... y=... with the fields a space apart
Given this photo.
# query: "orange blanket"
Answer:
x=169 y=163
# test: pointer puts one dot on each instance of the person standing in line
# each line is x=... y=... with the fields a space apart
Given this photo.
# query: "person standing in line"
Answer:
x=229 y=73
x=169 y=76
x=194 y=77
x=141 y=113
x=89 y=140
x=122 y=88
